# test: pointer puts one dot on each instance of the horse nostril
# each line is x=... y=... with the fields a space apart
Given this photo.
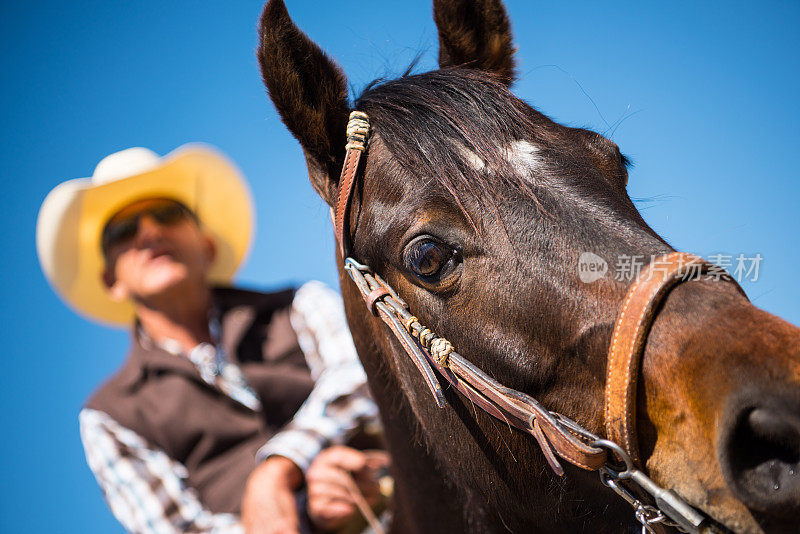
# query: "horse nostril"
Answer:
x=760 y=458
x=779 y=435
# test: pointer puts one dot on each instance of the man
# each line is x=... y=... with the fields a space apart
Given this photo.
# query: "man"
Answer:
x=216 y=377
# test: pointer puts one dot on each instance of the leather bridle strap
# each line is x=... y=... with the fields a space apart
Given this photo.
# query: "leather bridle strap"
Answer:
x=357 y=133
x=631 y=329
x=556 y=435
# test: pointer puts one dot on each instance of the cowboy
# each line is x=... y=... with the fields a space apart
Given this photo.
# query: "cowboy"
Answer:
x=227 y=396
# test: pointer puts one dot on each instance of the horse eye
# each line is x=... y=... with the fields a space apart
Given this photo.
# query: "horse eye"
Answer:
x=427 y=258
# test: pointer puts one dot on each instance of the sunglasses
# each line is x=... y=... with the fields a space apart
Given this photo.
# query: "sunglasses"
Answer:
x=124 y=229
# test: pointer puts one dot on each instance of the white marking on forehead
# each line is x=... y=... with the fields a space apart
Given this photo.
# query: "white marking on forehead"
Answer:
x=471 y=158
x=524 y=156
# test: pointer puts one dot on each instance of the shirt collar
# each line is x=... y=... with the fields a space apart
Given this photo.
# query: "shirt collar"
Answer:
x=172 y=346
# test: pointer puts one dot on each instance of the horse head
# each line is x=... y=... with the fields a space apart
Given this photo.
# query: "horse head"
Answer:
x=479 y=210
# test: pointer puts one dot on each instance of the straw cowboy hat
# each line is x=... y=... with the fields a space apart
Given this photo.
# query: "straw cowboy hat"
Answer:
x=72 y=218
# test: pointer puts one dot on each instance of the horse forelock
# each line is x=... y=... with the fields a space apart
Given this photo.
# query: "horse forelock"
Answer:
x=462 y=128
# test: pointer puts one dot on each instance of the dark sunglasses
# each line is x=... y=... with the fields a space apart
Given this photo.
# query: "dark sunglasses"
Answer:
x=124 y=229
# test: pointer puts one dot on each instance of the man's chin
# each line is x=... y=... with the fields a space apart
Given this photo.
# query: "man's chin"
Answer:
x=169 y=281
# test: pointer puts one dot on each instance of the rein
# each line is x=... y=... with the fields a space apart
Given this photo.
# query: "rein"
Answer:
x=557 y=435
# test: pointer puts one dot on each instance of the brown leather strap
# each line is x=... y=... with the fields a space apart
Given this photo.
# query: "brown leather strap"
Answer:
x=509 y=406
x=357 y=133
x=374 y=296
x=525 y=413
x=630 y=336
x=347 y=183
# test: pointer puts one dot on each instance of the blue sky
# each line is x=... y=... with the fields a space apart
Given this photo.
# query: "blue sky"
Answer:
x=702 y=97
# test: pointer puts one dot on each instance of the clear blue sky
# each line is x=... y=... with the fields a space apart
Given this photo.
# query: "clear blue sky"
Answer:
x=702 y=97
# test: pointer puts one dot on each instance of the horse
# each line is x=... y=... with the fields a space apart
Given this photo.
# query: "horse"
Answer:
x=476 y=209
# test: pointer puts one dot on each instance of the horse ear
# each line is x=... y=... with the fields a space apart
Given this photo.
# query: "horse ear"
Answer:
x=310 y=93
x=475 y=34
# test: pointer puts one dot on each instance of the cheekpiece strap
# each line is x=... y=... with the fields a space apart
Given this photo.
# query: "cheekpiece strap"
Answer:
x=357 y=135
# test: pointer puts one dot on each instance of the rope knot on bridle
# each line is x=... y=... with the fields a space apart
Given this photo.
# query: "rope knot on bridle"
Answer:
x=357 y=131
x=439 y=347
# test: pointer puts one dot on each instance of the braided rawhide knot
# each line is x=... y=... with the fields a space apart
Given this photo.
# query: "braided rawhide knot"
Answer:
x=439 y=347
x=357 y=131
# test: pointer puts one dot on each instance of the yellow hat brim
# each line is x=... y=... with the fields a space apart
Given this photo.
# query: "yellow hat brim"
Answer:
x=74 y=214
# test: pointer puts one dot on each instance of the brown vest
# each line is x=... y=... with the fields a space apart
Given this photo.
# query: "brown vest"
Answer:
x=163 y=398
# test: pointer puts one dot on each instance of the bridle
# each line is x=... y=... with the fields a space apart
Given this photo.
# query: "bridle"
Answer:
x=557 y=435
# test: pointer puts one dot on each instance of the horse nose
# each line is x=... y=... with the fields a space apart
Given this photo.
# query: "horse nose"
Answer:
x=759 y=452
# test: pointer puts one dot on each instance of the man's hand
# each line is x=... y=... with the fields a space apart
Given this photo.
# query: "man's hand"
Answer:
x=268 y=505
x=330 y=479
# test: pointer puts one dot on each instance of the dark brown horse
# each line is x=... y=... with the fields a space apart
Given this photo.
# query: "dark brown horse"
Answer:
x=476 y=208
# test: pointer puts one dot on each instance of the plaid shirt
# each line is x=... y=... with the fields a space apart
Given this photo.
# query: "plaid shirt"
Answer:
x=147 y=490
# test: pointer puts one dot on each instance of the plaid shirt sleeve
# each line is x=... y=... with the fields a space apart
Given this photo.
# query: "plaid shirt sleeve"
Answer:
x=145 y=489
x=339 y=404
